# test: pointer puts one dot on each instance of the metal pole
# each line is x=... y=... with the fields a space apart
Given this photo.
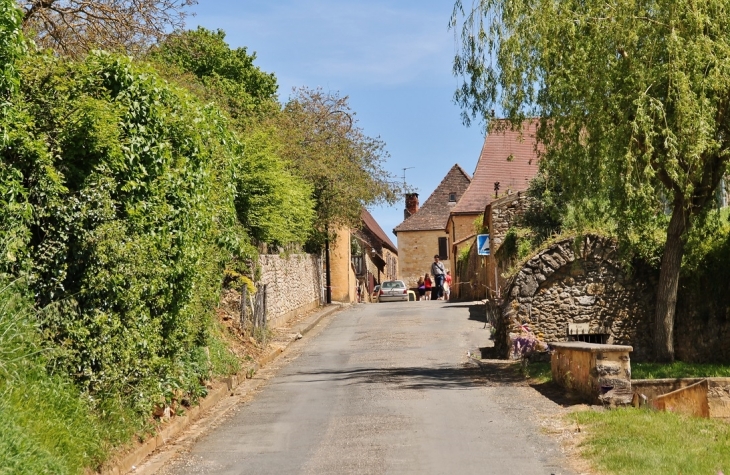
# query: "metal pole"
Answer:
x=327 y=265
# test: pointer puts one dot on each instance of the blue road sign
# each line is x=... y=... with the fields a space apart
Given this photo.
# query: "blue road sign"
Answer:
x=483 y=244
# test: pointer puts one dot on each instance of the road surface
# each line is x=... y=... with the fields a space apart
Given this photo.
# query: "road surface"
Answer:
x=383 y=389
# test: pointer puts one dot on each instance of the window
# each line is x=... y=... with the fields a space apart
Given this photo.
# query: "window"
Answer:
x=443 y=248
x=452 y=197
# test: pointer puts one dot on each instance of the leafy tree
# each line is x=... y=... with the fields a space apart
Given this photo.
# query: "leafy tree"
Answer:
x=75 y=27
x=324 y=145
x=128 y=181
x=633 y=96
x=227 y=76
x=272 y=202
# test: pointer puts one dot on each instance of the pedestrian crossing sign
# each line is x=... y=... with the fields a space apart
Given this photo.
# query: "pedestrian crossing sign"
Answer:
x=483 y=244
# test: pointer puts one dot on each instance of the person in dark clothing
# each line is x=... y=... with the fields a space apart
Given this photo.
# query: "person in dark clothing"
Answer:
x=439 y=273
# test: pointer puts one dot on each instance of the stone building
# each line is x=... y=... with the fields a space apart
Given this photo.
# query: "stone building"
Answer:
x=422 y=234
x=507 y=163
x=578 y=290
x=374 y=256
x=359 y=257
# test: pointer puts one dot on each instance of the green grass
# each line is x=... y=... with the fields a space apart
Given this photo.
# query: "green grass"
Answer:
x=643 y=442
x=47 y=426
x=538 y=372
x=678 y=369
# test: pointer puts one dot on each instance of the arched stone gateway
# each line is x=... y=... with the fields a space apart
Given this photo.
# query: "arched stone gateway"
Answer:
x=577 y=289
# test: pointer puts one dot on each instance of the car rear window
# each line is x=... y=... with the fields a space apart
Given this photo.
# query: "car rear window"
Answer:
x=393 y=285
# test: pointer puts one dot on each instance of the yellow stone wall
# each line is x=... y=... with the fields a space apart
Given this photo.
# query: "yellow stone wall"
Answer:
x=458 y=228
x=343 y=277
x=415 y=254
x=461 y=226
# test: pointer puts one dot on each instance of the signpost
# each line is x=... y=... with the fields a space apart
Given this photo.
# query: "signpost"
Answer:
x=483 y=244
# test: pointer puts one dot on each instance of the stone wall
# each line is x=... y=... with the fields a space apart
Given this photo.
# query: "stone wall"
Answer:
x=502 y=214
x=294 y=285
x=579 y=283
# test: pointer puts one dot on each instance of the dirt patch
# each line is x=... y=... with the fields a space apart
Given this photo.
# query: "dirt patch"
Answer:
x=247 y=344
x=545 y=403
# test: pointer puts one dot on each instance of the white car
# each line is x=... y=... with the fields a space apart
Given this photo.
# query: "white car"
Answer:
x=393 y=291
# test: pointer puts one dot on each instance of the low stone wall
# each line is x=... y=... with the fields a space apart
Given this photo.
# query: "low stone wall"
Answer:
x=690 y=401
x=294 y=285
x=591 y=369
x=717 y=394
x=573 y=290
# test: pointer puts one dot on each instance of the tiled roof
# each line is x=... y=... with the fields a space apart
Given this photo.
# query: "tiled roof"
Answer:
x=508 y=157
x=375 y=228
x=434 y=214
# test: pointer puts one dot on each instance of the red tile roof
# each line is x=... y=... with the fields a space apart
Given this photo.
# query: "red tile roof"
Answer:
x=434 y=214
x=508 y=157
x=375 y=228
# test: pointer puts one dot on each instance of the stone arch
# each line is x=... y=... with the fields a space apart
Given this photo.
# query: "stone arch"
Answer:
x=577 y=281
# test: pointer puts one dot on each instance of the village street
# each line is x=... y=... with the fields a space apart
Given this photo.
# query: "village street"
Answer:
x=383 y=388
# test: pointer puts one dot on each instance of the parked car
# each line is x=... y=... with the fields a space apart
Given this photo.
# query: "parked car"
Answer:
x=376 y=293
x=393 y=291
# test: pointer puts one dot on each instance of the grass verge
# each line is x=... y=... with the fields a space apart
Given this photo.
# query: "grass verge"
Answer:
x=537 y=372
x=678 y=369
x=643 y=442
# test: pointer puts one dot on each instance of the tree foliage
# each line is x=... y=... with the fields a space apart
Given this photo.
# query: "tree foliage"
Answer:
x=324 y=145
x=75 y=27
x=224 y=75
x=633 y=96
x=127 y=179
x=272 y=202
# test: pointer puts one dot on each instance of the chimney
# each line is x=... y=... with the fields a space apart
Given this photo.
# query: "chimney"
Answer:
x=411 y=205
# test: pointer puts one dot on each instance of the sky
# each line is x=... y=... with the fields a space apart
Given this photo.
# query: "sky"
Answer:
x=393 y=59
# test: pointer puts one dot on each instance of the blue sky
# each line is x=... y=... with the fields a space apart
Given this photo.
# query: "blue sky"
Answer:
x=392 y=58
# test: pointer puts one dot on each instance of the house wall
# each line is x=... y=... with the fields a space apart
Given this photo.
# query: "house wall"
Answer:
x=415 y=254
x=294 y=285
x=342 y=279
x=469 y=280
x=390 y=271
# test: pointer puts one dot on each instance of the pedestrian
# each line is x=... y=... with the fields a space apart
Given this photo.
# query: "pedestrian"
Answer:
x=427 y=284
x=439 y=272
x=421 y=288
x=447 y=285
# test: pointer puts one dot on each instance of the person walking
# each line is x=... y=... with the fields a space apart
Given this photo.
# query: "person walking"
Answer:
x=447 y=285
x=427 y=285
x=439 y=273
x=421 y=288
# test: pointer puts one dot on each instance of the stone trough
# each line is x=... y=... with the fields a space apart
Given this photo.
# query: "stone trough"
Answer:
x=601 y=374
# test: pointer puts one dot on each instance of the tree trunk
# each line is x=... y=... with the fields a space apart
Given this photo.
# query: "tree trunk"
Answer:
x=666 y=298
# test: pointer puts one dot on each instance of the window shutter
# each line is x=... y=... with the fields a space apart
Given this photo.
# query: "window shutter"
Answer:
x=443 y=248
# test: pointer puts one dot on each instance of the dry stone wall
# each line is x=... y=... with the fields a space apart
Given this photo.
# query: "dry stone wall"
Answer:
x=578 y=283
x=503 y=214
x=293 y=285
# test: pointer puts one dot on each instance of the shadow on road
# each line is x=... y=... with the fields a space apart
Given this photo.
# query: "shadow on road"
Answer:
x=477 y=311
x=444 y=377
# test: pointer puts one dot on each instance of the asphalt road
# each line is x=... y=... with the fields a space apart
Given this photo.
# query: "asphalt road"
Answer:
x=384 y=388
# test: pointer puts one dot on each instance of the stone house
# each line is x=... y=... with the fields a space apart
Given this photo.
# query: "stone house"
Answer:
x=507 y=162
x=361 y=257
x=422 y=234
x=374 y=256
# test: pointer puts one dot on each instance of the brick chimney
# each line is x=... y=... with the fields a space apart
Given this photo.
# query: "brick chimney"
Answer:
x=411 y=205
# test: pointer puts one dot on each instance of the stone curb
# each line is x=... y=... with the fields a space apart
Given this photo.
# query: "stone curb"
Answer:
x=221 y=389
